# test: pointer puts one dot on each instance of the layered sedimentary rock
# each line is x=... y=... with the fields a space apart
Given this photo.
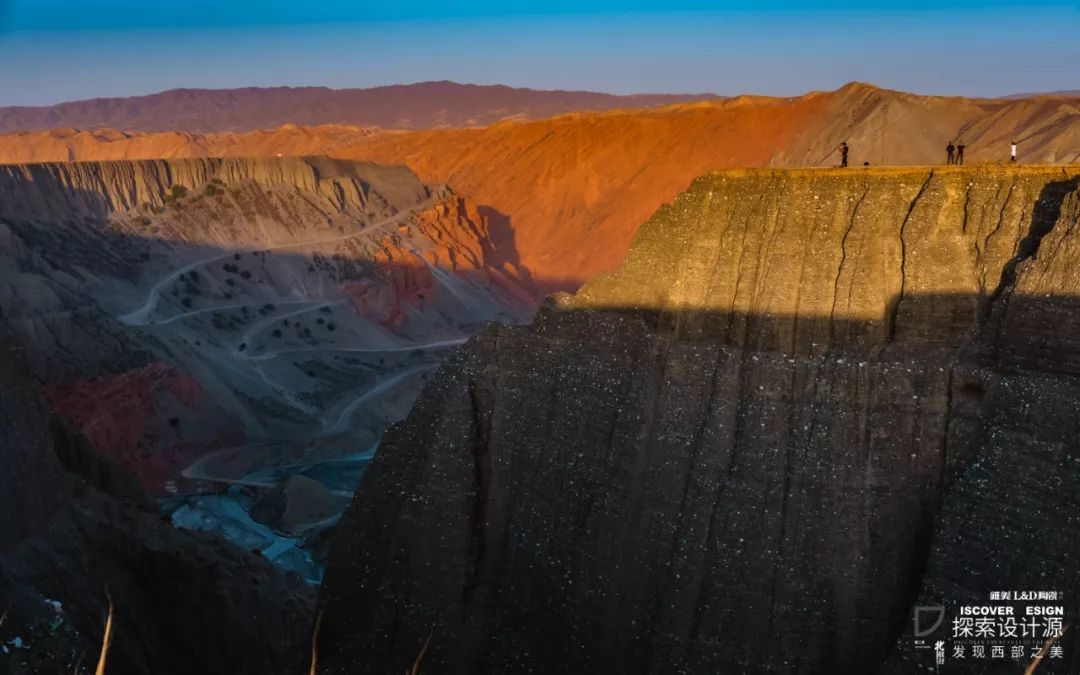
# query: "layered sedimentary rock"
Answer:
x=733 y=454
x=215 y=324
x=576 y=187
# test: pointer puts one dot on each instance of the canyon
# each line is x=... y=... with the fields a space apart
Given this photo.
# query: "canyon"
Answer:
x=805 y=401
x=791 y=406
x=227 y=328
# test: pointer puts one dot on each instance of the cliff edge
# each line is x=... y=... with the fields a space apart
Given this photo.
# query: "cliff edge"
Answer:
x=806 y=398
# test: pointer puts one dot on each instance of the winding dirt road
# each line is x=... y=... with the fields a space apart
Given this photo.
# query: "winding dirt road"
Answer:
x=141 y=315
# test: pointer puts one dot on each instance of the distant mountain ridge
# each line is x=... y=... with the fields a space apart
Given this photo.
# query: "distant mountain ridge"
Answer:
x=1060 y=93
x=575 y=187
x=423 y=105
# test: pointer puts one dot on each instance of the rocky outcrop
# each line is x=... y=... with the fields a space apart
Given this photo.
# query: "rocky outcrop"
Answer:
x=70 y=542
x=735 y=453
x=295 y=503
x=63 y=190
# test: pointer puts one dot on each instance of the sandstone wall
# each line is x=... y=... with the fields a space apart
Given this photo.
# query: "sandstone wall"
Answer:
x=96 y=189
x=730 y=454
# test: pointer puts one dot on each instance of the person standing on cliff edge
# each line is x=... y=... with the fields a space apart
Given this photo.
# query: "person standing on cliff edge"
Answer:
x=949 y=150
x=843 y=154
x=1012 y=152
x=960 y=152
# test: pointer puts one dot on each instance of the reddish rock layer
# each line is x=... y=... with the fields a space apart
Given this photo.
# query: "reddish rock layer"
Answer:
x=129 y=417
x=573 y=189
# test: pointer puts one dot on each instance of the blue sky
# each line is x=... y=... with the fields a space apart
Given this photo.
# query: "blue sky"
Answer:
x=53 y=50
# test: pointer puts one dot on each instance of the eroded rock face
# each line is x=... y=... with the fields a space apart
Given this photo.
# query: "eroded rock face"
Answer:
x=576 y=187
x=730 y=454
x=28 y=451
x=77 y=532
x=221 y=324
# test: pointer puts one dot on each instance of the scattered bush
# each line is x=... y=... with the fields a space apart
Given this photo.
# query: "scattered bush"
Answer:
x=174 y=195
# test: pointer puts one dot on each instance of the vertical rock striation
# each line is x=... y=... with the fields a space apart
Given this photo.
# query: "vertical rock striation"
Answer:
x=59 y=190
x=730 y=454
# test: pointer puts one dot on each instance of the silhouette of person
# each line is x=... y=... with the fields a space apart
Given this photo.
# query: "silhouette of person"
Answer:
x=950 y=149
x=843 y=154
x=1012 y=152
x=960 y=152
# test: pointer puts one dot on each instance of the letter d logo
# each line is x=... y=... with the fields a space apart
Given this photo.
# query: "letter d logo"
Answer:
x=923 y=616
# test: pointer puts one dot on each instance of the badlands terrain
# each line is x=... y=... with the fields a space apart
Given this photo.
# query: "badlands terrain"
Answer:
x=253 y=323
x=575 y=188
x=213 y=311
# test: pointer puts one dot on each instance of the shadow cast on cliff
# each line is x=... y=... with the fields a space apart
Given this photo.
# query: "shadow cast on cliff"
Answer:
x=697 y=466
x=503 y=235
x=648 y=491
x=632 y=487
x=66 y=286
